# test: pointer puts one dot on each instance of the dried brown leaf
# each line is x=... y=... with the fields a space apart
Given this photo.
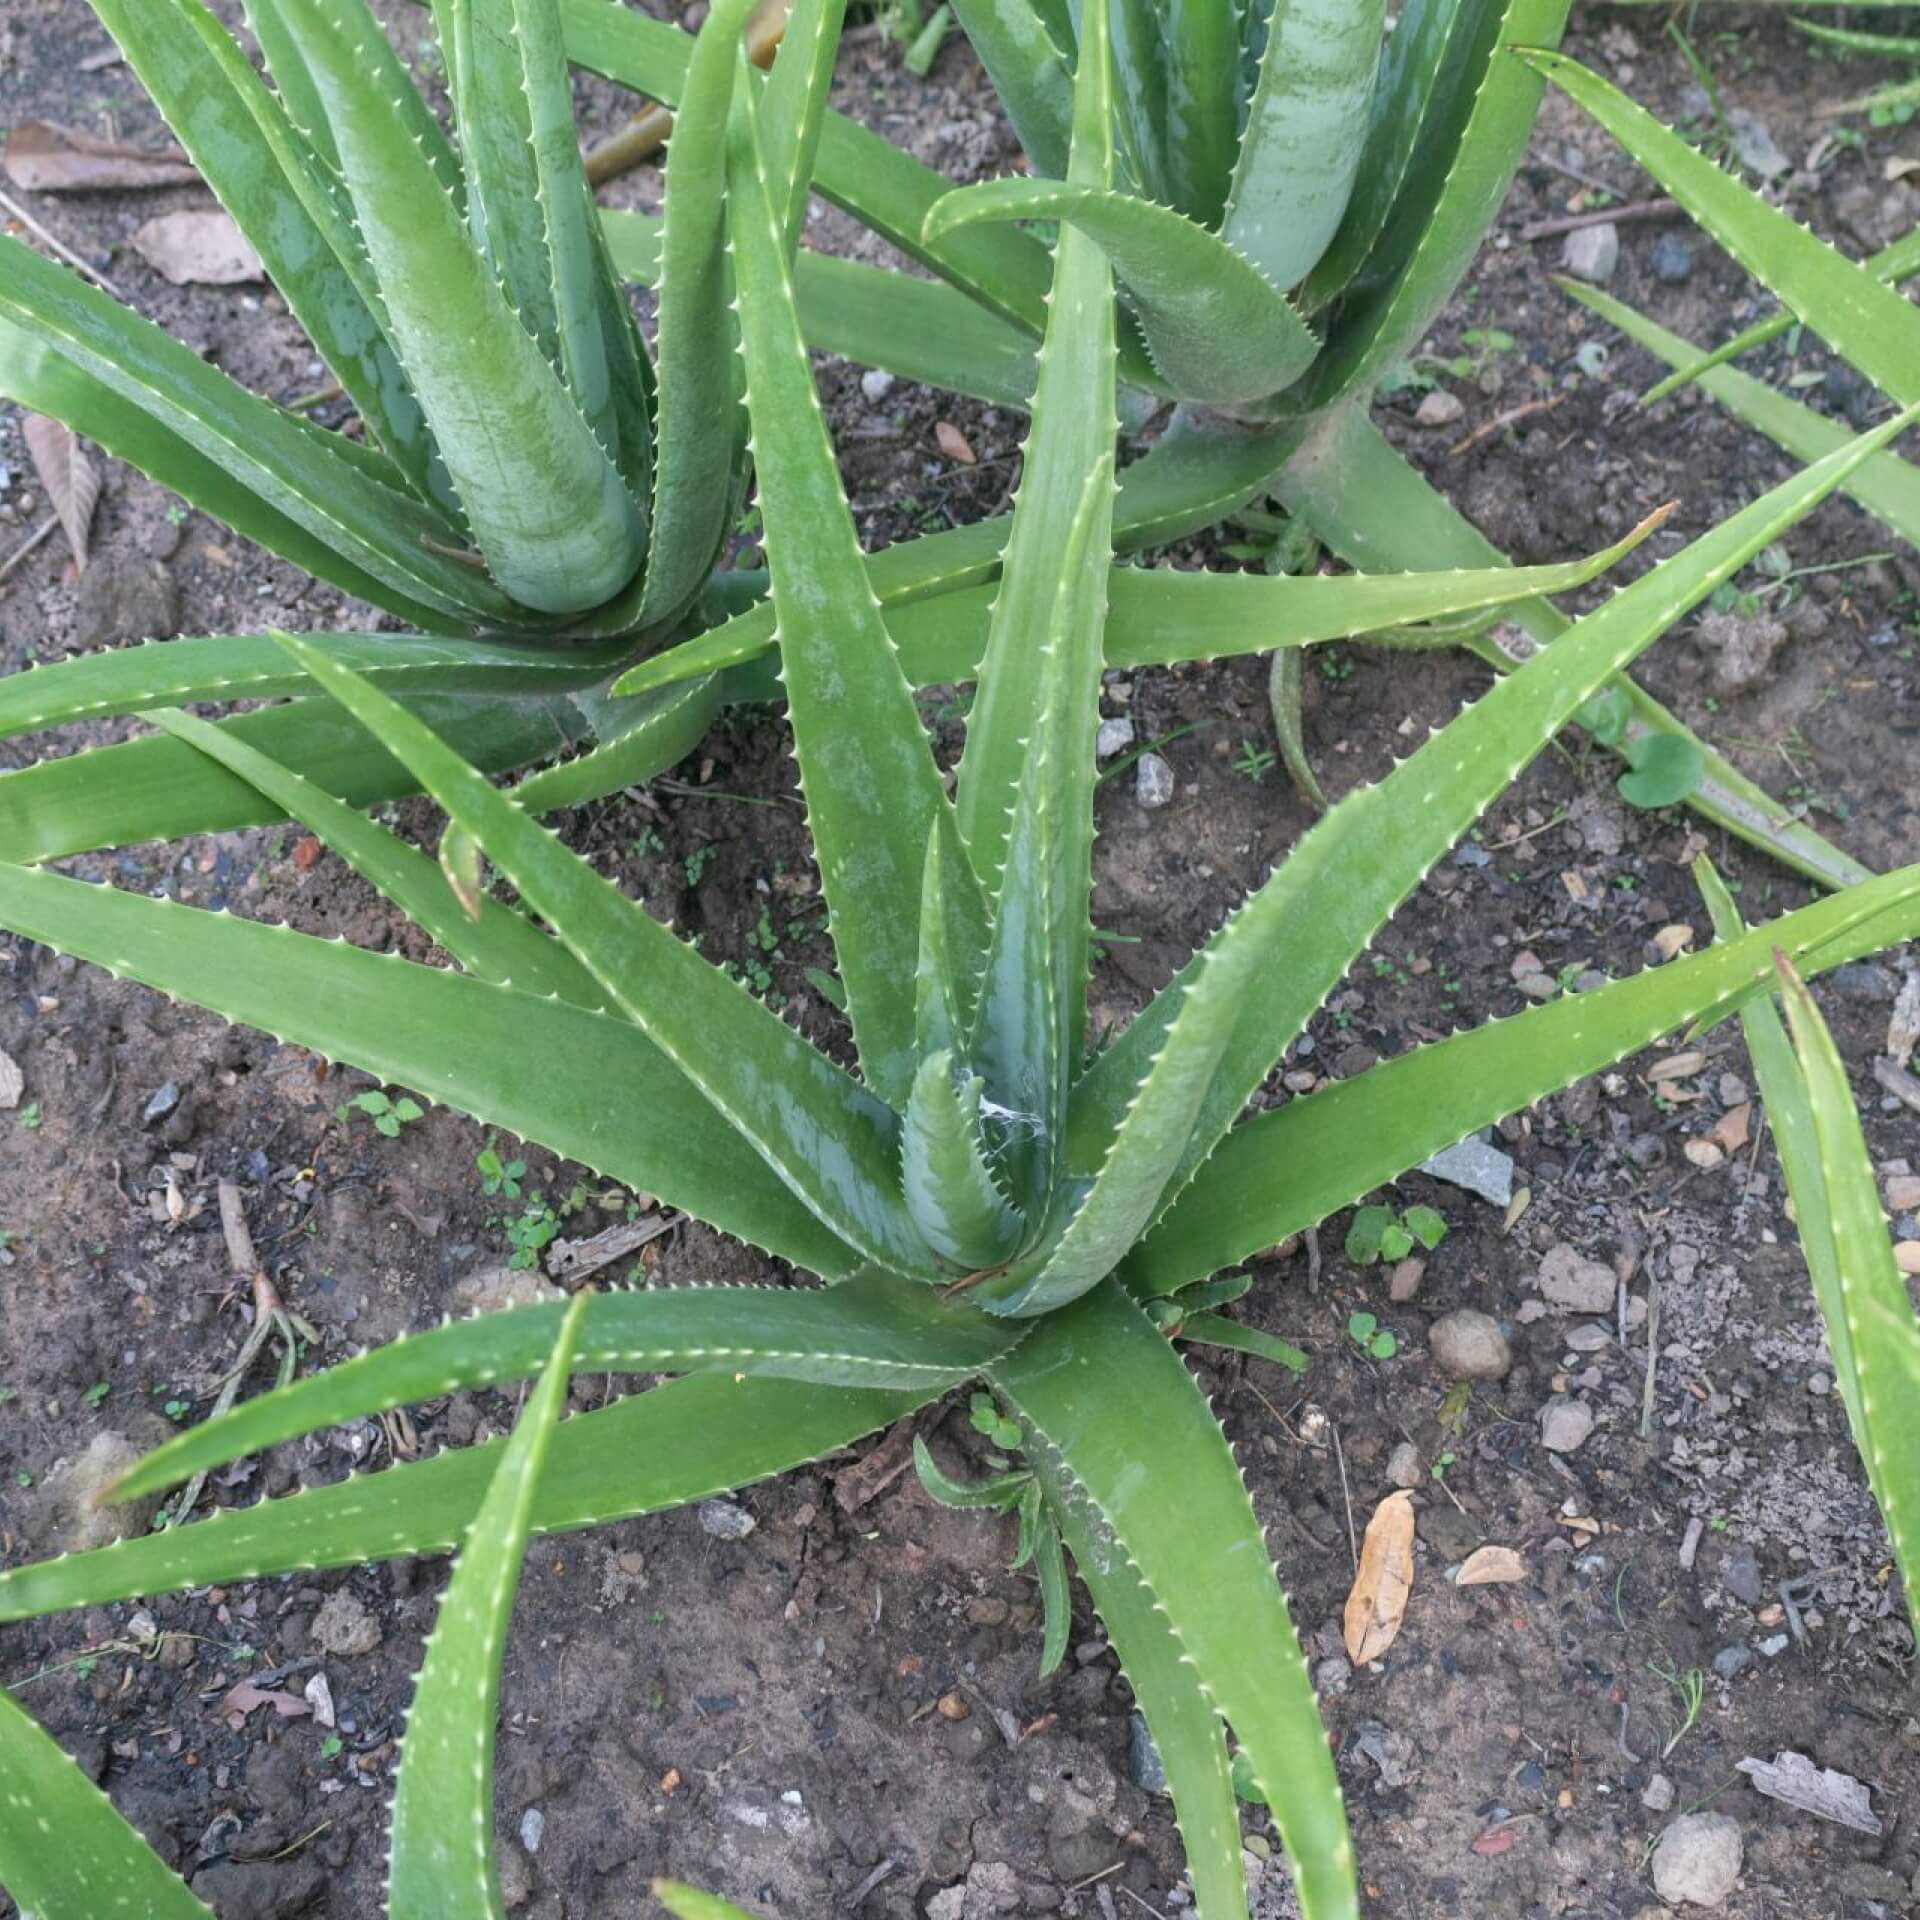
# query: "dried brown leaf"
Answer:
x=1378 y=1602
x=200 y=247
x=1903 y=1026
x=243 y=1697
x=1490 y=1567
x=955 y=444
x=44 y=158
x=1736 y=1127
x=72 y=481
x=1676 y=1066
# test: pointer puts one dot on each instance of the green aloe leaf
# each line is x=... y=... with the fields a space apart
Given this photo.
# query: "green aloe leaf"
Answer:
x=440 y=1862
x=548 y=508
x=1366 y=855
x=1088 y=1382
x=866 y=1332
x=950 y=1190
x=689 y=1903
x=605 y=1094
x=63 y=1848
x=1291 y=1168
x=1200 y=43
x=874 y=794
x=828 y=1141
x=1850 y=306
x=1306 y=128
x=702 y=1435
x=634 y=740
x=1056 y=1599
x=953 y=944
x=1216 y=1330
x=795 y=109
x=1032 y=75
x=1218 y=329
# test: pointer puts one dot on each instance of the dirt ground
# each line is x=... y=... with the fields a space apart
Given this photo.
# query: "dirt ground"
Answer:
x=758 y=1713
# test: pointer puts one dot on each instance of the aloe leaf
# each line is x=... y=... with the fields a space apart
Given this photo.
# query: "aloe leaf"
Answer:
x=827 y=1140
x=1217 y=328
x=1893 y=264
x=689 y=1903
x=919 y=329
x=867 y=769
x=1364 y=857
x=1002 y=1491
x=219 y=667
x=950 y=1191
x=1089 y=1381
x=1032 y=76
x=1887 y=487
x=46 y=382
x=1284 y=695
x=1405 y=90
x=795 y=109
x=1306 y=128
x=1186 y=1730
x=1200 y=42
x=605 y=1096
x=1368 y=504
x=868 y=1331
x=548 y=508
x=265 y=175
x=1445 y=207
x=294 y=84
x=158 y=789
x=1288 y=1169
x=1872 y=324
x=1056 y=1600
x=634 y=740
x=1216 y=1330
x=440 y=1861
x=383 y=532
x=494 y=942
x=1843 y=1233
x=693 y=1437
x=953 y=944
x=63 y=1848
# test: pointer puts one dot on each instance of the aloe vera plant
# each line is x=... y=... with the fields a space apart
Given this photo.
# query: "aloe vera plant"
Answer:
x=985 y=1202
x=543 y=498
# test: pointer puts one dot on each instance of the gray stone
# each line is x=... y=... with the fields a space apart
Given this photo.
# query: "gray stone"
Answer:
x=533 y=1829
x=1774 y=1646
x=1572 y=1282
x=1564 y=1423
x=1477 y=1166
x=260 y=1891
x=1730 y=1662
x=1468 y=1345
x=1143 y=1757
x=1439 y=409
x=165 y=1098
x=1447 y=1531
x=68 y=1510
x=1819 y=1384
x=1152 y=781
x=1589 y=1337
x=1592 y=253
x=1740 y=1575
x=1115 y=736
x=876 y=383
x=345 y=1626
x=1403 y=1465
x=1658 y=1796
x=726 y=1519
x=1863 y=980
x=123 y=596
x=1698 y=1860
x=1671 y=259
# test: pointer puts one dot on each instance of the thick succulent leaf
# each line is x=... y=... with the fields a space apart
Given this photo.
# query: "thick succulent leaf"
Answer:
x=795 y=109
x=919 y=329
x=1895 y=263
x=867 y=769
x=1843 y=1233
x=1002 y=1491
x=385 y=533
x=1368 y=854
x=1186 y=1730
x=1373 y=508
x=1288 y=1169
x=1218 y=329
x=1089 y=1381
x=869 y=1331
x=1200 y=42
x=1888 y=487
x=689 y=1903
x=950 y=1191
x=953 y=944
x=1306 y=127
x=440 y=1860
x=294 y=85
x=267 y=178
x=604 y=1095
x=634 y=740
x=46 y=382
x=1056 y=1600
x=158 y=789
x=1216 y=1330
x=63 y=1848
x=1031 y=74
x=494 y=942
x=217 y=667
x=1872 y=324
x=1405 y=97
x=828 y=1141
x=703 y=1435
x=1140 y=89
x=1445 y=206
x=547 y=506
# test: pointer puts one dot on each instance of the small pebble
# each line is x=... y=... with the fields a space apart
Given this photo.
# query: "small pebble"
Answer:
x=345 y=1626
x=1592 y=253
x=1403 y=1465
x=1671 y=259
x=1698 y=1860
x=1438 y=409
x=1564 y=1423
x=1658 y=1796
x=726 y=1520
x=1143 y=1757
x=1774 y=1646
x=876 y=383
x=1589 y=1337
x=1731 y=1662
x=1740 y=1575
x=533 y=1827
x=1476 y=1165
x=1819 y=1385
x=1152 y=781
x=1468 y=1345
x=1115 y=736
x=166 y=1097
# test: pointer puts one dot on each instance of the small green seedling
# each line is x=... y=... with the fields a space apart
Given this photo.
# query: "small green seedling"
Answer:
x=1662 y=768
x=1254 y=763
x=96 y=1393
x=988 y=1419
x=499 y=1176
x=1689 y=1691
x=1366 y=1333
x=1439 y=1468
x=388 y=1115
x=1377 y=1233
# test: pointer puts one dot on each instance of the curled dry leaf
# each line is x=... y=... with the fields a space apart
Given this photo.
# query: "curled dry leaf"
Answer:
x=200 y=247
x=70 y=478
x=1489 y=1567
x=955 y=444
x=1378 y=1602
x=44 y=158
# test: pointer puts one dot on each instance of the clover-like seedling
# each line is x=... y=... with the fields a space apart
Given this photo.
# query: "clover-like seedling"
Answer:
x=1378 y=1233
x=1366 y=1333
x=388 y=1115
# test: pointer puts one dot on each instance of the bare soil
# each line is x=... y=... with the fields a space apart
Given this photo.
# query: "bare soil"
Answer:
x=759 y=1715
